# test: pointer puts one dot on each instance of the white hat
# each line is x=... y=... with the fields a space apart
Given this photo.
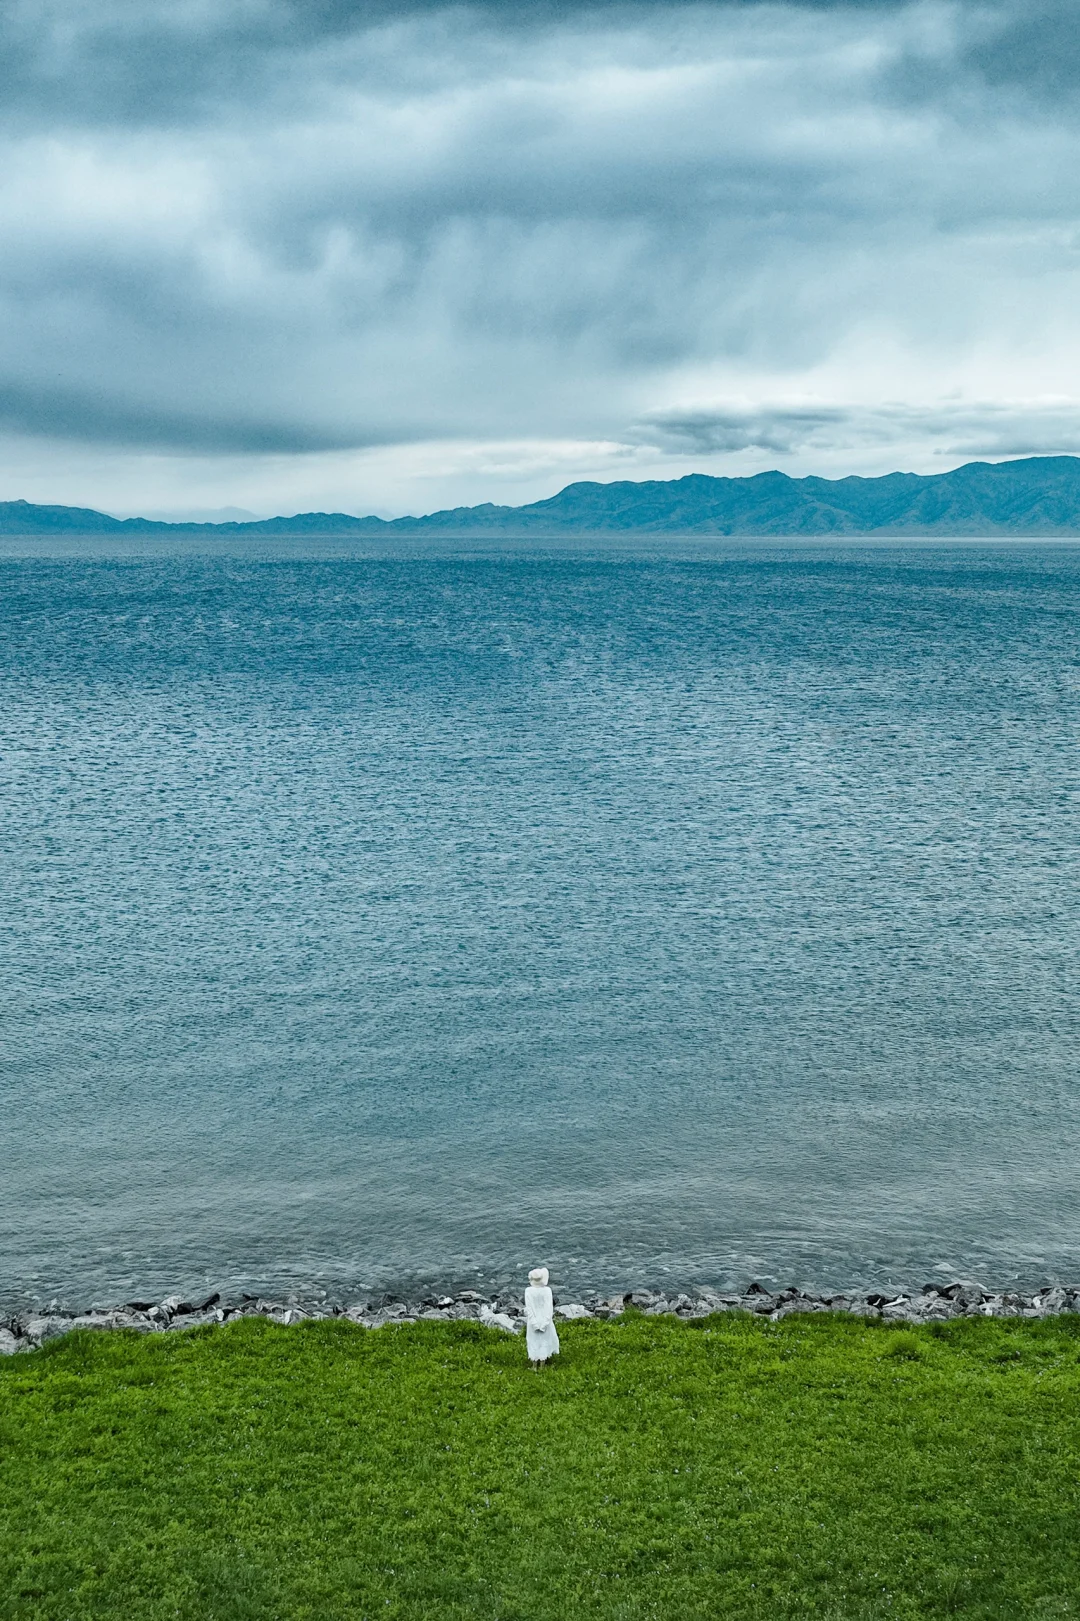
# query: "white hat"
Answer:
x=539 y=1276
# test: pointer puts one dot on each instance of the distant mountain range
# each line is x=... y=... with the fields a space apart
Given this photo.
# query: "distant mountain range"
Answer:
x=1039 y=495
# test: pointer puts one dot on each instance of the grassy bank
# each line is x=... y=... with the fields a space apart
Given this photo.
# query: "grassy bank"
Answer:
x=816 y=1467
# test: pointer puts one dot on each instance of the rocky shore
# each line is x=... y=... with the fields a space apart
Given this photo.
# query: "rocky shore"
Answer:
x=26 y=1331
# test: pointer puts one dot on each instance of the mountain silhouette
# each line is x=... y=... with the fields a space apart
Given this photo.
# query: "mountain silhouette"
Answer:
x=1038 y=495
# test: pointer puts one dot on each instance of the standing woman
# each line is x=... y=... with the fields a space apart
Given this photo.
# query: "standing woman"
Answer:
x=540 y=1335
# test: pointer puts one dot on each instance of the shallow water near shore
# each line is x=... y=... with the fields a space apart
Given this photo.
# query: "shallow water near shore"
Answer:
x=684 y=912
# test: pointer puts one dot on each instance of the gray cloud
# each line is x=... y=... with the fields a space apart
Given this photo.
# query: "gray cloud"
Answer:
x=1034 y=47
x=108 y=419
x=137 y=63
x=264 y=227
x=978 y=428
x=704 y=432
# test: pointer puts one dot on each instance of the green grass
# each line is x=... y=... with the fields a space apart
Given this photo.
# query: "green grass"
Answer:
x=820 y=1467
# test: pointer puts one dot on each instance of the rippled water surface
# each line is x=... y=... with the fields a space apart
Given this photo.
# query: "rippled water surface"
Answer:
x=690 y=913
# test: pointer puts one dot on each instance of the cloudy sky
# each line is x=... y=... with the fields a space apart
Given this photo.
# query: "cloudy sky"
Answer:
x=378 y=256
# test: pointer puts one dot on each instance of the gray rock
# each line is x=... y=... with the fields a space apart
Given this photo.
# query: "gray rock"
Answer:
x=498 y=1319
x=940 y=1311
x=965 y=1295
x=197 y=1319
x=397 y=1313
x=799 y=1306
x=8 y=1343
x=39 y=1329
x=761 y=1304
x=109 y=1319
x=932 y=1307
x=127 y=1318
x=715 y=1302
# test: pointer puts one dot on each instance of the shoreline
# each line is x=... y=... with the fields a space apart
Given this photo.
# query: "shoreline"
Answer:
x=29 y=1330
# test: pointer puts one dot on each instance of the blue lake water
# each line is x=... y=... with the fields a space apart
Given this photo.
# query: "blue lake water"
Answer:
x=678 y=913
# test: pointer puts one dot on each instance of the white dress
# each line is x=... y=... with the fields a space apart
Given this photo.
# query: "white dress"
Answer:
x=540 y=1335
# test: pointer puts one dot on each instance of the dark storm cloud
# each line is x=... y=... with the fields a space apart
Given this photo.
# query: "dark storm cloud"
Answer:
x=1035 y=47
x=260 y=226
x=110 y=420
x=968 y=428
x=133 y=62
x=779 y=428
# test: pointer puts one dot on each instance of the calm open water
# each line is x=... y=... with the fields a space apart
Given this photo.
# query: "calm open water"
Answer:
x=679 y=913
